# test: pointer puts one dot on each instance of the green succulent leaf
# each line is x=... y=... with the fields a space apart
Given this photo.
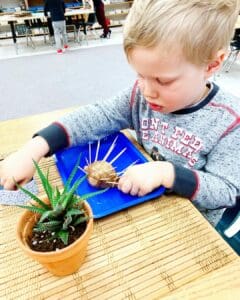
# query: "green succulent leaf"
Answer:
x=67 y=199
x=51 y=225
x=51 y=189
x=45 y=215
x=51 y=214
x=75 y=199
x=32 y=196
x=56 y=196
x=45 y=182
x=92 y=194
x=36 y=229
x=71 y=176
x=34 y=209
x=67 y=222
x=63 y=235
x=58 y=210
x=74 y=212
x=80 y=220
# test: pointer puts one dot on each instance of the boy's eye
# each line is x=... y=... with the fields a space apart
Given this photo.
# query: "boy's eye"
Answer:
x=161 y=82
x=164 y=82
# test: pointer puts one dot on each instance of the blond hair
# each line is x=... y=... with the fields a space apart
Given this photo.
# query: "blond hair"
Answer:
x=200 y=28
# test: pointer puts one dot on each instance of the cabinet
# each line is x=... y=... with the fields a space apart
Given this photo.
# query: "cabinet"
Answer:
x=117 y=11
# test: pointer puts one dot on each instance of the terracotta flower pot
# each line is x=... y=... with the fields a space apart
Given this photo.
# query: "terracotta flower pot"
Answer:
x=62 y=262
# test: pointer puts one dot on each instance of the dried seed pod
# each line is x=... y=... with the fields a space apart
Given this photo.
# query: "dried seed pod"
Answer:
x=101 y=174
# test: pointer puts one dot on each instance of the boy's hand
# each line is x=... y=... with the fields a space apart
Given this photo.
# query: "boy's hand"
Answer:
x=144 y=178
x=19 y=165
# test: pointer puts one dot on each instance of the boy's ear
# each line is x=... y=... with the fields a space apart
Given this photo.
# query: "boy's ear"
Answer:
x=216 y=63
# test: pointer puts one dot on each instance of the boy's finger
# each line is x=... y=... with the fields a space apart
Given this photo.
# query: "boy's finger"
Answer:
x=134 y=191
x=9 y=185
x=125 y=186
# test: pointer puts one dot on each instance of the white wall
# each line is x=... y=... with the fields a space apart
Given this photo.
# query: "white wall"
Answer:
x=9 y=3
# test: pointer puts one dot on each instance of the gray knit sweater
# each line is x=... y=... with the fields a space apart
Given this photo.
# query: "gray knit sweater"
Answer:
x=203 y=142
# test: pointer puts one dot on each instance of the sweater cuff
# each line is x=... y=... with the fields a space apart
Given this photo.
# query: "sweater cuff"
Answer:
x=185 y=183
x=56 y=137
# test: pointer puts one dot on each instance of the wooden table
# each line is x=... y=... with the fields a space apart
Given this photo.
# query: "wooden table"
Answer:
x=161 y=249
x=4 y=19
x=12 y=20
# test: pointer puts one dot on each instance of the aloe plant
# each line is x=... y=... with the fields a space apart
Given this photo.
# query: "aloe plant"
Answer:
x=65 y=208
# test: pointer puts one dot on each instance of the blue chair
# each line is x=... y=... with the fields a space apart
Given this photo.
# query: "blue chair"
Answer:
x=229 y=226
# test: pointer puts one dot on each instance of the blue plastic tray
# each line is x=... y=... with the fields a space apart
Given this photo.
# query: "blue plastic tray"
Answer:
x=112 y=200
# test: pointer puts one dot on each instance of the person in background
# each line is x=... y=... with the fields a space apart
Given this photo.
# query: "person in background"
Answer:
x=57 y=10
x=22 y=5
x=189 y=123
x=50 y=30
x=101 y=18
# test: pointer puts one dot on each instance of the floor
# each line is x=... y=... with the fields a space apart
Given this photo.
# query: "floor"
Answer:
x=8 y=50
x=228 y=80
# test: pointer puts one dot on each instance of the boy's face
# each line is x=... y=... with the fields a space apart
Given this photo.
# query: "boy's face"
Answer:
x=168 y=82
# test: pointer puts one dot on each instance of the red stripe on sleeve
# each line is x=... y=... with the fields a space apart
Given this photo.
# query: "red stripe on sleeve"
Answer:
x=232 y=112
x=65 y=131
x=197 y=186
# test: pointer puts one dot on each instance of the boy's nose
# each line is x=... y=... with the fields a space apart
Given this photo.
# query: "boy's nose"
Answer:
x=150 y=89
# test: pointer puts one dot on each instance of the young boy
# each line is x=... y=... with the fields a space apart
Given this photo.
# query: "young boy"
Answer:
x=57 y=10
x=188 y=123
